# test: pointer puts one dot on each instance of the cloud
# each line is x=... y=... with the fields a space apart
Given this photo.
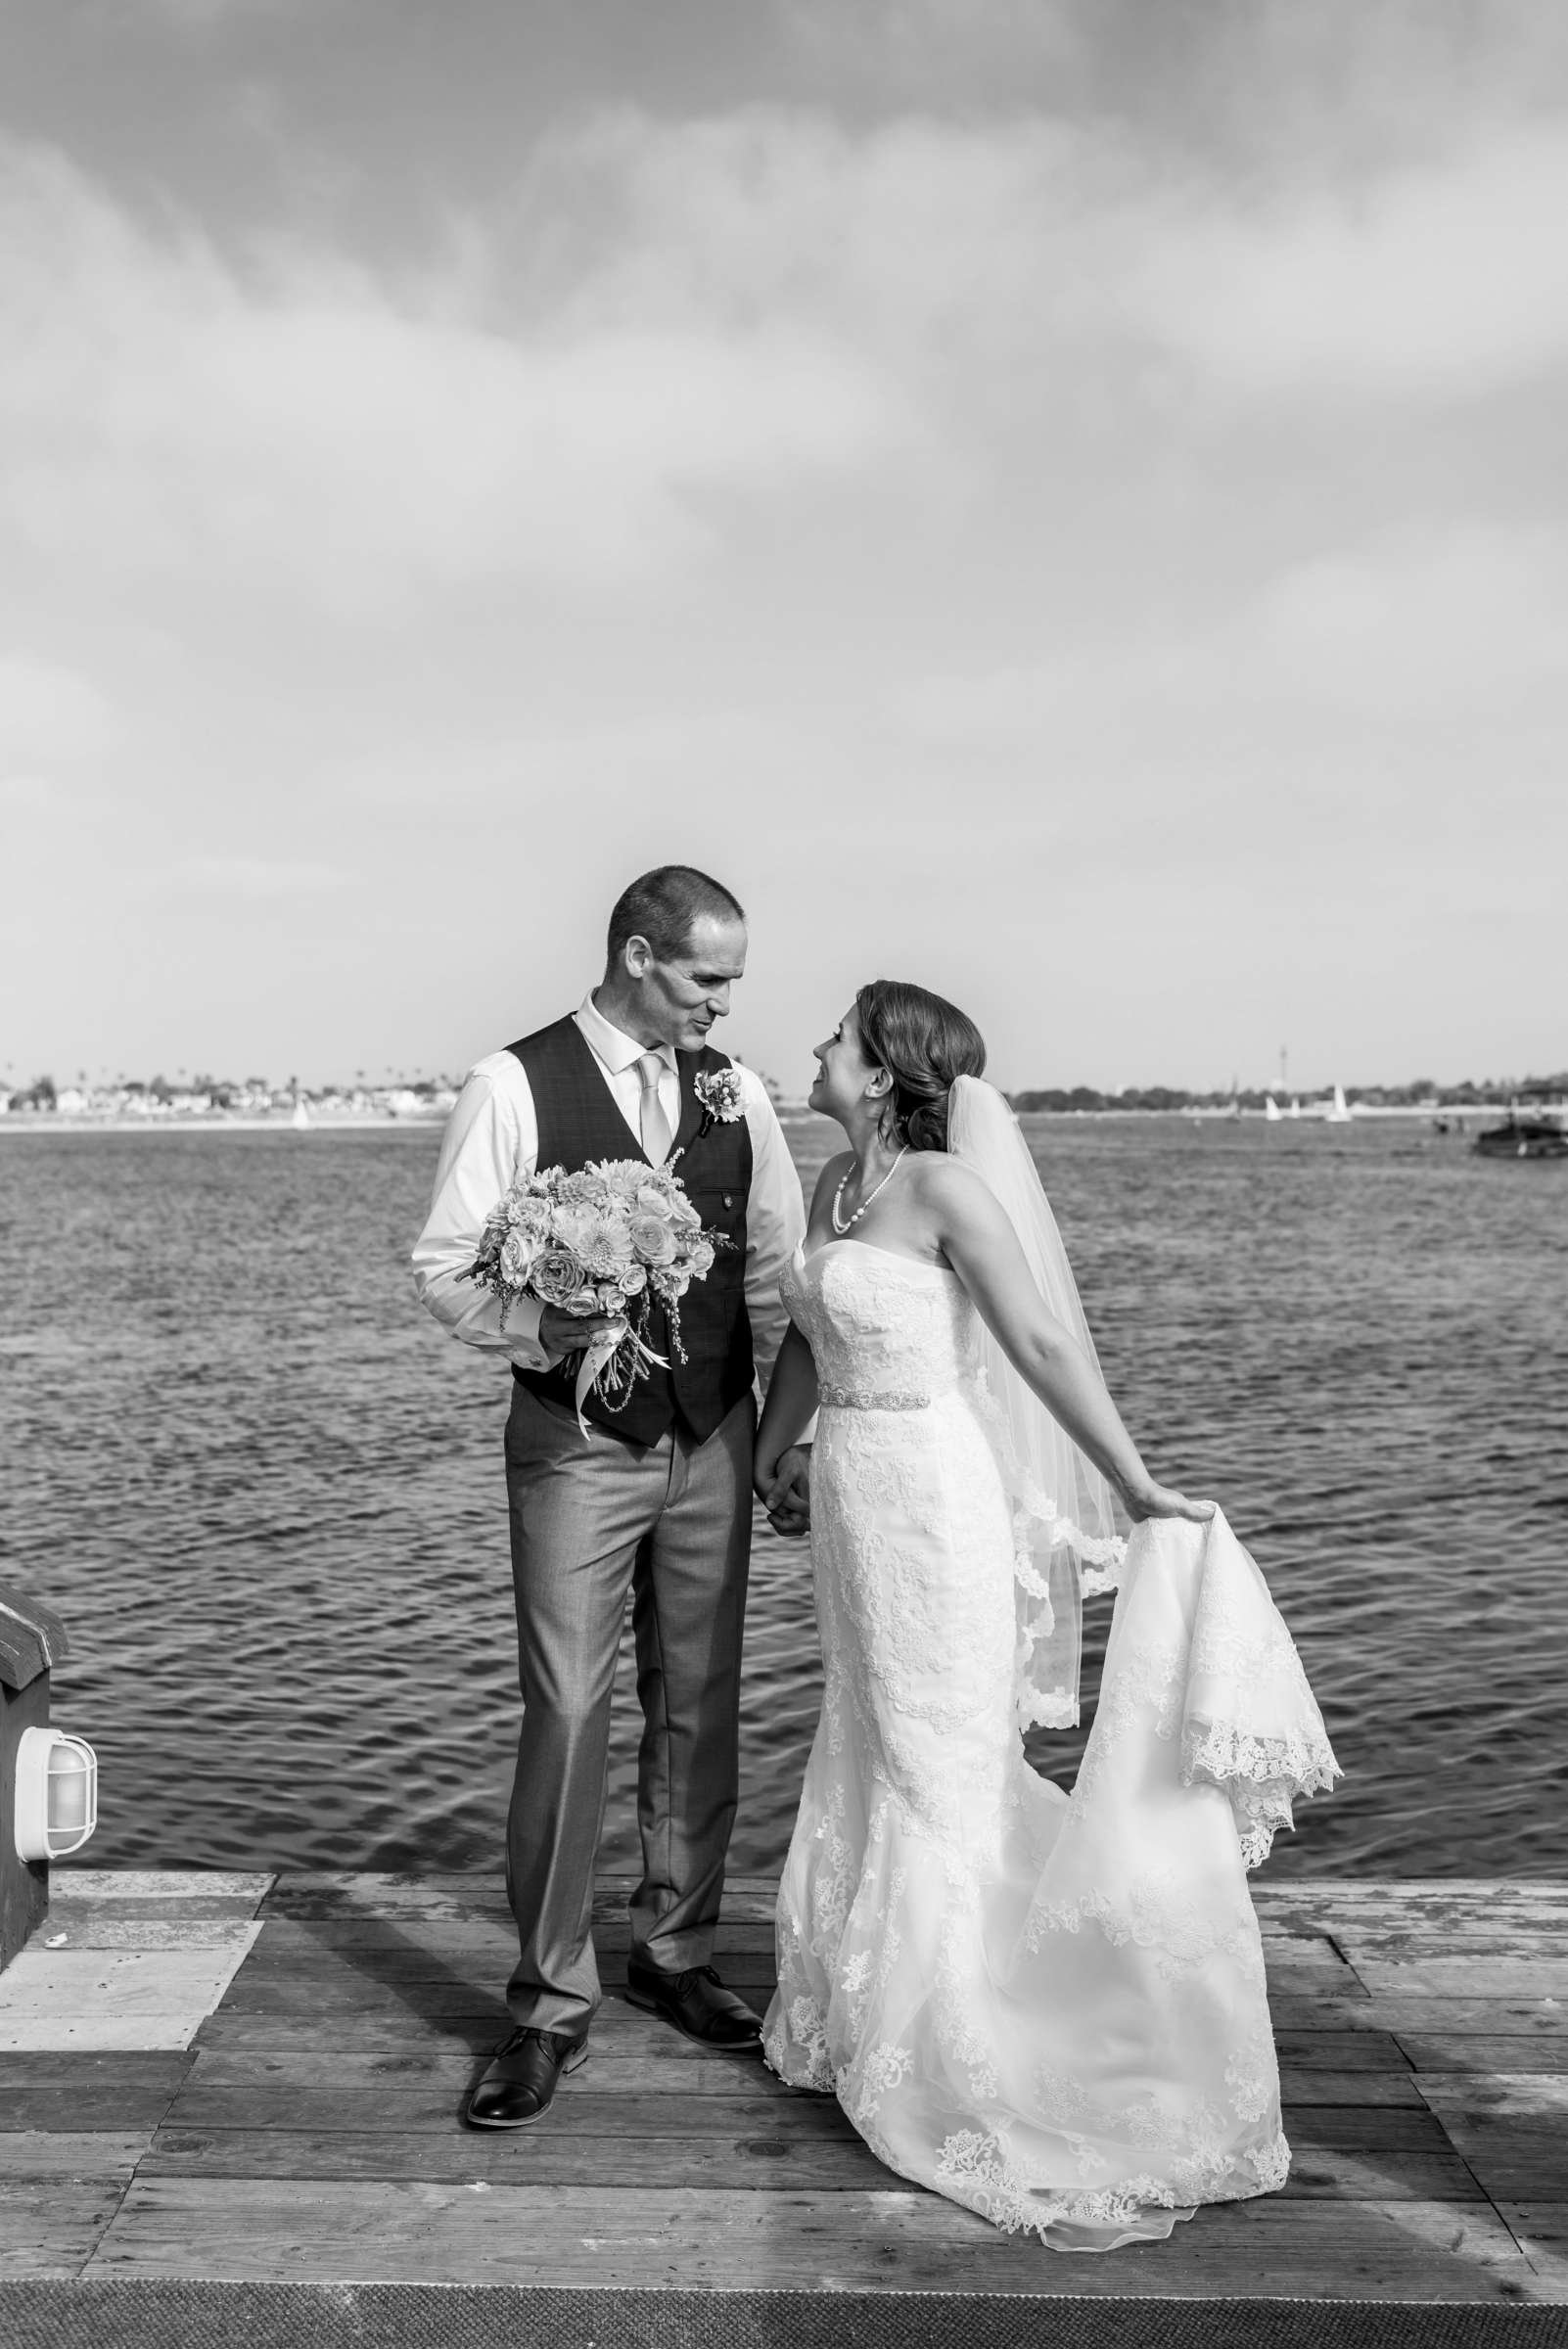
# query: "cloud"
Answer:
x=167 y=412
x=53 y=720
x=1474 y=621
x=50 y=713
x=27 y=793
x=1422 y=631
x=1440 y=280
x=681 y=328
x=201 y=16
x=1019 y=265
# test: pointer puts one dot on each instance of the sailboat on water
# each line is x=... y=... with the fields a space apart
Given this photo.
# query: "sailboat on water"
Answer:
x=1272 y=1109
x=1338 y=1111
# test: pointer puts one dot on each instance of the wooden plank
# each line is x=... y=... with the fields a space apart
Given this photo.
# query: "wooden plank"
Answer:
x=1514 y=2159
x=148 y=1930
x=78 y=1916
x=1408 y=1941
x=491 y=1940
x=1486 y=1976
x=127 y=1982
x=1475 y=2054
x=411 y=2108
x=430 y=2104
x=556 y=2156
x=72 y=2152
x=67 y=2107
x=1423 y=2014
x=1520 y=2095
x=280 y=1956
x=112 y=1998
x=1340 y=2051
x=1325 y=1904
x=1293 y=1980
x=1327 y=1891
x=895 y=2239
x=360 y=2034
x=1310 y=2086
x=692 y=2074
x=1302 y=2011
x=1360 y=2128
x=561 y=2155
x=87 y=2074
x=291 y=1994
x=91 y=2033
x=420 y=2013
x=1540 y=2230
x=454 y=1899
x=52 y=2226
x=165 y=1884
x=390 y=2026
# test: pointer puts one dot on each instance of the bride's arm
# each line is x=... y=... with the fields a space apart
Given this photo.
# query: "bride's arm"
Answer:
x=781 y=1463
x=980 y=1245
x=787 y=1412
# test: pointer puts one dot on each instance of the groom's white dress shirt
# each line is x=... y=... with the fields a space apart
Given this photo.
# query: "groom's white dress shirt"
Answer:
x=493 y=1138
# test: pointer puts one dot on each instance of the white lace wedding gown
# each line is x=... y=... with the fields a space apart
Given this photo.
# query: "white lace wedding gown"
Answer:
x=1050 y=2008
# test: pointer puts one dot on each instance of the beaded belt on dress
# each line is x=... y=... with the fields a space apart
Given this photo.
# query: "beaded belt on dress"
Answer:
x=872 y=1399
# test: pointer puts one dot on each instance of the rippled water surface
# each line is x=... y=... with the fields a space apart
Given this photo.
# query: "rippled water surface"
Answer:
x=266 y=1493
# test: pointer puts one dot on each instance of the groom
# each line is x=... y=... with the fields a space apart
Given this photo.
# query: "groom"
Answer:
x=655 y=1499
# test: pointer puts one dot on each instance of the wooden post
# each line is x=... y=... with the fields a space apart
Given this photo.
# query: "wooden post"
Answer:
x=32 y=1641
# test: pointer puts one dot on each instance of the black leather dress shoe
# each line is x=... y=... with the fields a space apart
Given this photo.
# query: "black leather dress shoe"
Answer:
x=696 y=2001
x=520 y=2086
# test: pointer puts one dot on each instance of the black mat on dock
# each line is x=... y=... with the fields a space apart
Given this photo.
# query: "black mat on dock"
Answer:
x=40 y=2315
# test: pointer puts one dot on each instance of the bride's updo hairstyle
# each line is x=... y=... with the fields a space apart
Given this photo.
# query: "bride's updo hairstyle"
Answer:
x=923 y=1042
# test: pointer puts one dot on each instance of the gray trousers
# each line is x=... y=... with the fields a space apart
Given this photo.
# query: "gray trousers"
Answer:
x=591 y=1519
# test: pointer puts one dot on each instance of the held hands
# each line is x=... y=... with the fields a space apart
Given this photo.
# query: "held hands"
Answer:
x=784 y=1490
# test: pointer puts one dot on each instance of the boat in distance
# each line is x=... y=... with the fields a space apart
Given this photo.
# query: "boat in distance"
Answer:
x=1536 y=1126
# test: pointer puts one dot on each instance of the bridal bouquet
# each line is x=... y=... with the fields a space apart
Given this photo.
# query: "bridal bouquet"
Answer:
x=615 y=1238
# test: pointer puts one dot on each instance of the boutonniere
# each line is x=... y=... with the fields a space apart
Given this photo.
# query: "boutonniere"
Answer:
x=719 y=1092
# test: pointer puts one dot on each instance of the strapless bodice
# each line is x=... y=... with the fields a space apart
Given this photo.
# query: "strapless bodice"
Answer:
x=885 y=1332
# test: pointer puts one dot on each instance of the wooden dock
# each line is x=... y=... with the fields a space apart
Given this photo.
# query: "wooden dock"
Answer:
x=249 y=2078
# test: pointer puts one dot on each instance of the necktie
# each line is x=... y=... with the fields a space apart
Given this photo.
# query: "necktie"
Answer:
x=655 y=1125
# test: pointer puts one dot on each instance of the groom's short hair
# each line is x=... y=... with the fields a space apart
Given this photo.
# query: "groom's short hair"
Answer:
x=665 y=906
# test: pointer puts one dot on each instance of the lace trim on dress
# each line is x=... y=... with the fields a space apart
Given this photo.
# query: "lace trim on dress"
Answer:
x=1262 y=1776
x=976 y=2168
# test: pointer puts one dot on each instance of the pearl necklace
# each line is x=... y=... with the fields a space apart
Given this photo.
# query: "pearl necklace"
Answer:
x=837 y=1197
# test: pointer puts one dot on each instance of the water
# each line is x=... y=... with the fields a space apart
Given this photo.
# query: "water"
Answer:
x=265 y=1491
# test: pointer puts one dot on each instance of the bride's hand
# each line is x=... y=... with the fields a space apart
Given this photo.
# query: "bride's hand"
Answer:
x=783 y=1487
x=1162 y=1500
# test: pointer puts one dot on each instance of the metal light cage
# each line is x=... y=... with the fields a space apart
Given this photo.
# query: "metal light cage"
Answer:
x=57 y=1794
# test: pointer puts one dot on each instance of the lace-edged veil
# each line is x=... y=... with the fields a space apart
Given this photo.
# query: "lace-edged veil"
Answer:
x=1067 y=1536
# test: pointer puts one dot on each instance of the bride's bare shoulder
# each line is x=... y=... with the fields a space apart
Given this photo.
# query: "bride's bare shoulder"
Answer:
x=945 y=1186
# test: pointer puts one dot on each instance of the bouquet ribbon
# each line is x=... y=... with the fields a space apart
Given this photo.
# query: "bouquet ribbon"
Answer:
x=596 y=1356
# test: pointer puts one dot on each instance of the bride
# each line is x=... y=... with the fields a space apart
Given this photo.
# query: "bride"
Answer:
x=1050 y=2008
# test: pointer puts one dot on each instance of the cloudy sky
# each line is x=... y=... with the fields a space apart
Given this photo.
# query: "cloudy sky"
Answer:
x=1060 y=502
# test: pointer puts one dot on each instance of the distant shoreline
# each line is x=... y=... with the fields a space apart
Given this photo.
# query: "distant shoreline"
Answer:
x=29 y=1120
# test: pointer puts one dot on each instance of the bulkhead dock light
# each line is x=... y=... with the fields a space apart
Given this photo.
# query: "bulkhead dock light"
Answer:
x=57 y=1794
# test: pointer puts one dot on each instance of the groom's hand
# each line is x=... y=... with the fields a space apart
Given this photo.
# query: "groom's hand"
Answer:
x=788 y=1497
x=561 y=1333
